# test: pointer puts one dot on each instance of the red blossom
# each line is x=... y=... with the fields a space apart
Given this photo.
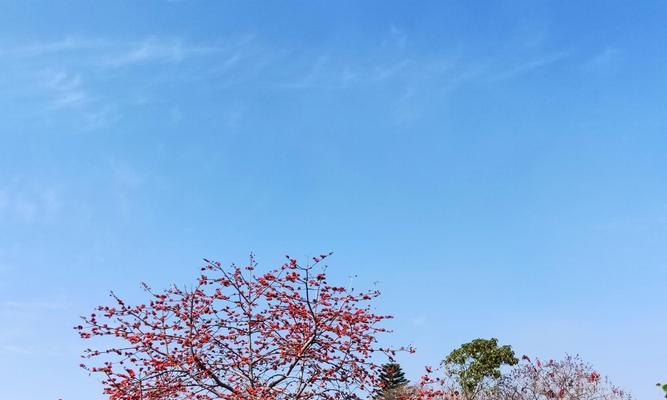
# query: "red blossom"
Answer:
x=284 y=334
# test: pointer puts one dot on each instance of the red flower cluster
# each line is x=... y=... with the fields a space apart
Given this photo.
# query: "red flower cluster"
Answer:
x=284 y=334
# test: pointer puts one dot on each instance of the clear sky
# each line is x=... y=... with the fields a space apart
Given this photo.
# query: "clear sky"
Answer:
x=499 y=168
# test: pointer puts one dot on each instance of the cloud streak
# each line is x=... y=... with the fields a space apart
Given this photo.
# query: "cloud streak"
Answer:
x=67 y=89
x=29 y=203
x=82 y=83
x=155 y=50
x=76 y=79
x=23 y=306
x=530 y=65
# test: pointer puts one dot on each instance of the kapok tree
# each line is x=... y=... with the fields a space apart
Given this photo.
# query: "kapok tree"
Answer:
x=239 y=335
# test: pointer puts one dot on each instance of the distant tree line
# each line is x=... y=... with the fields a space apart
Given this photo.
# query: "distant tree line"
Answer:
x=285 y=333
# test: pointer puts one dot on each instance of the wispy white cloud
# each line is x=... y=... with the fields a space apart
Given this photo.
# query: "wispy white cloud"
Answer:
x=126 y=181
x=100 y=117
x=26 y=202
x=66 y=89
x=398 y=37
x=21 y=306
x=419 y=322
x=125 y=176
x=529 y=65
x=233 y=116
x=80 y=81
x=319 y=73
x=45 y=48
x=22 y=324
x=382 y=72
x=18 y=349
x=156 y=50
x=532 y=33
x=72 y=79
x=110 y=52
x=603 y=60
x=328 y=73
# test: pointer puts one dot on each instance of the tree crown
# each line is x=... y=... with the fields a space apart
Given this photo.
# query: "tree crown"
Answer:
x=236 y=334
x=475 y=362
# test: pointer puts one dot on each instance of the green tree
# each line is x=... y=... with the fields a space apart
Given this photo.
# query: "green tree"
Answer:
x=392 y=382
x=475 y=366
x=664 y=388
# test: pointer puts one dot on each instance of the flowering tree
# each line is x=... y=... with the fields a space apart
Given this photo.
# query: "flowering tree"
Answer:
x=567 y=379
x=238 y=335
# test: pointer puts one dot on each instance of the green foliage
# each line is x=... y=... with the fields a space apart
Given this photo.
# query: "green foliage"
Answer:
x=392 y=379
x=477 y=363
x=664 y=388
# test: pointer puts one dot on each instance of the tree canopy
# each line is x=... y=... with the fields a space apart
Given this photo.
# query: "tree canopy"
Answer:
x=236 y=334
x=475 y=363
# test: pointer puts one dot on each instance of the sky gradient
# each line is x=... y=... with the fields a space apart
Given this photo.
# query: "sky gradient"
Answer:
x=497 y=169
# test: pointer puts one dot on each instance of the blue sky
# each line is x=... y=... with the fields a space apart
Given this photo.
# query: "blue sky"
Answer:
x=499 y=168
